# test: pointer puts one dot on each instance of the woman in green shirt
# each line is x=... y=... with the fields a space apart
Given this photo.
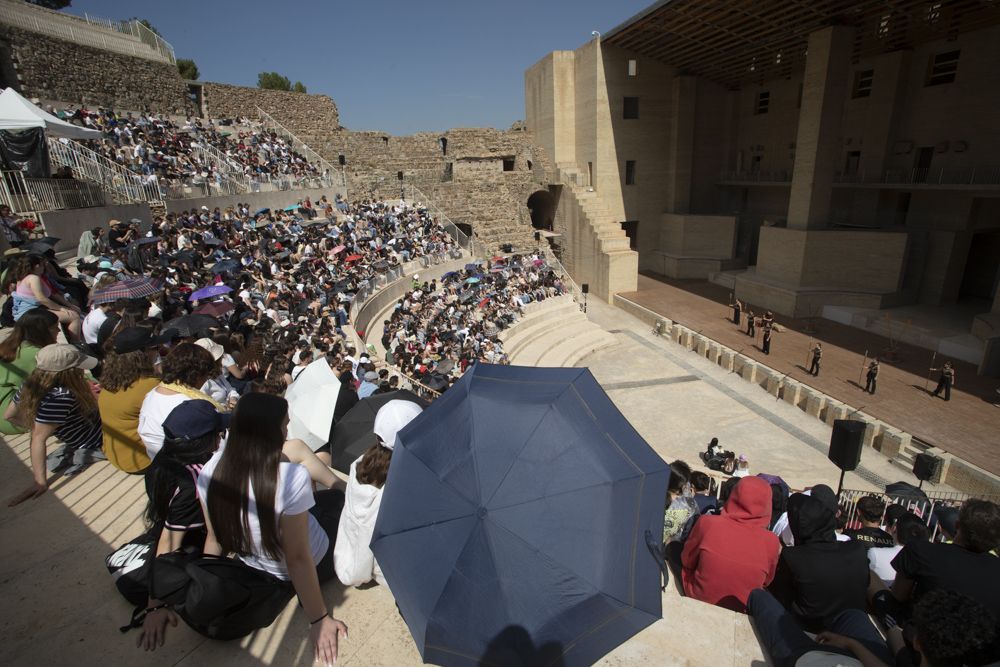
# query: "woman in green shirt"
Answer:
x=37 y=328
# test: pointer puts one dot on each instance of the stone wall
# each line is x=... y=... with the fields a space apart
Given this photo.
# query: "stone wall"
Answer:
x=301 y=113
x=53 y=69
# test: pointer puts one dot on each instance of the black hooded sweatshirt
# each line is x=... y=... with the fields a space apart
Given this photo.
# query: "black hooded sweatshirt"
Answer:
x=819 y=577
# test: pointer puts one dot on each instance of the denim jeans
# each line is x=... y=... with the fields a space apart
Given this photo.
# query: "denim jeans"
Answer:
x=786 y=642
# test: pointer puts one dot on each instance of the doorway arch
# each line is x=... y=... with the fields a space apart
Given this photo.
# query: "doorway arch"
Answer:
x=542 y=206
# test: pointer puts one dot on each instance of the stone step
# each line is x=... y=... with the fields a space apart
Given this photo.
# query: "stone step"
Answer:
x=539 y=306
x=556 y=343
x=578 y=347
x=561 y=307
x=542 y=326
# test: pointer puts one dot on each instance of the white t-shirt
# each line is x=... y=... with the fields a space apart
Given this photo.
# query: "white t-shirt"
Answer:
x=92 y=324
x=293 y=495
x=880 y=562
x=155 y=409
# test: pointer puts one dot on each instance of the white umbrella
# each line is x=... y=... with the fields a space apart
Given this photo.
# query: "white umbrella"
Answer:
x=311 y=401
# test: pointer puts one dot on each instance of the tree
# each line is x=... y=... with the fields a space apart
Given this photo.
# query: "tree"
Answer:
x=273 y=81
x=299 y=87
x=52 y=4
x=188 y=69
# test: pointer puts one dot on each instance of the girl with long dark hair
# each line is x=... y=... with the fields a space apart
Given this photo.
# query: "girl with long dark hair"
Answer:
x=263 y=509
x=37 y=328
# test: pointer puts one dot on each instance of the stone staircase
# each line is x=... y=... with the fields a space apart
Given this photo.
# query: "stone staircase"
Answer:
x=553 y=333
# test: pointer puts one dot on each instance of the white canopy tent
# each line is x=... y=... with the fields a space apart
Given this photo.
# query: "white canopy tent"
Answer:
x=17 y=113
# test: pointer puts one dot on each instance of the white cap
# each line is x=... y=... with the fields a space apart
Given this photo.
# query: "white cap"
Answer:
x=214 y=348
x=391 y=418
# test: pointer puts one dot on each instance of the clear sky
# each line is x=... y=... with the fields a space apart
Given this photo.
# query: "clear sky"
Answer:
x=400 y=66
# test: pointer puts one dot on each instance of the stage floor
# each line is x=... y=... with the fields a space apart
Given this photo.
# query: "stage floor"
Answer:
x=968 y=426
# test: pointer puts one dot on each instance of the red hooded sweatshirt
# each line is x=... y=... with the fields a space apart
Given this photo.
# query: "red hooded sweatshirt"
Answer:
x=728 y=555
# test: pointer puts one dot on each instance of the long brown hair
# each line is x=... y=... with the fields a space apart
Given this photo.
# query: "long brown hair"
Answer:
x=374 y=466
x=121 y=371
x=40 y=382
x=34 y=328
x=250 y=460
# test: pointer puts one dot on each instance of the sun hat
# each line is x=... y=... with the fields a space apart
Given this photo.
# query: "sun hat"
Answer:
x=62 y=357
x=214 y=348
x=391 y=418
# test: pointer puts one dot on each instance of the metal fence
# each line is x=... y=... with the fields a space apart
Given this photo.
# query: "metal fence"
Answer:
x=944 y=176
x=124 y=186
x=27 y=195
x=848 y=501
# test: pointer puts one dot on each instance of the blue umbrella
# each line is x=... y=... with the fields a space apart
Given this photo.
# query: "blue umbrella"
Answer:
x=261 y=211
x=516 y=514
x=209 y=292
x=472 y=280
x=293 y=207
x=471 y=267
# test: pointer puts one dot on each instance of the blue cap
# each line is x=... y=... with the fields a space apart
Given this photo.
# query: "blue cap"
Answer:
x=194 y=419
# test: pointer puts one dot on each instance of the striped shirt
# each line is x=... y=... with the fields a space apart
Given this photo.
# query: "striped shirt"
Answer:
x=75 y=430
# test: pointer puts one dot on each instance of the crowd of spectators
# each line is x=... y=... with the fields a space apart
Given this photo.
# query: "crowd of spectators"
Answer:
x=173 y=154
x=812 y=570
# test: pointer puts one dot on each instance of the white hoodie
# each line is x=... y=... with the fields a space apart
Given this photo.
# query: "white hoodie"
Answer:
x=352 y=557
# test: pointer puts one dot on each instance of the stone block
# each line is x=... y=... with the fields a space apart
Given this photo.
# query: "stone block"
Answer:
x=726 y=358
x=890 y=442
x=713 y=352
x=748 y=369
x=677 y=334
x=834 y=411
x=814 y=403
x=791 y=392
x=701 y=344
x=772 y=382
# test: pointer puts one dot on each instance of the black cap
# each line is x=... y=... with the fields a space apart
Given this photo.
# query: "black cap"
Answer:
x=194 y=419
x=139 y=338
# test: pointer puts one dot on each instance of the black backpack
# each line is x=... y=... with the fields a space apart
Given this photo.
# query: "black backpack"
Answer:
x=220 y=598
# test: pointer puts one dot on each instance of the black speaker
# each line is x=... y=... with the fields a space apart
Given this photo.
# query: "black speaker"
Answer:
x=399 y=175
x=926 y=466
x=846 y=443
x=507 y=247
x=585 y=288
x=343 y=160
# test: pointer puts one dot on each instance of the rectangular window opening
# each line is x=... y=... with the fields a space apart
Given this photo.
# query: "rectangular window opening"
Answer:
x=508 y=164
x=942 y=68
x=631 y=108
x=633 y=67
x=762 y=103
x=863 y=83
x=631 y=228
x=629 y=172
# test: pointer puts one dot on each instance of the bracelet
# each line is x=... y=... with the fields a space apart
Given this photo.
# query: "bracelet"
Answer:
x=150 y=610
x=312 y=623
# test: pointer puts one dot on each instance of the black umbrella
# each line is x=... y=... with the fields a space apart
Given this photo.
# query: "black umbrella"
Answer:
x=187 y=326
x=435 y=381
x=184 y=257
x=225 y=266
x=212 y=242
x=353 y=434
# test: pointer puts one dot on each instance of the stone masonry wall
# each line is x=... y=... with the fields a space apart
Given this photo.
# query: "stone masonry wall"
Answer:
x=299 y=112
x=53 y=69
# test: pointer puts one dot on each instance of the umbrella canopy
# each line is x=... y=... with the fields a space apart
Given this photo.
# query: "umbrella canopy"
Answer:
x=187 y=326
x=261 y=211
x=225 y=266
x=353 y=258
x=215 y=308
x=293 y=207
x=472 y=280
x=209 y=292
x=140 y=287
x=212 y=242
x=522 y=497
x=353 y=435
x=338 y=249
x=312 y=399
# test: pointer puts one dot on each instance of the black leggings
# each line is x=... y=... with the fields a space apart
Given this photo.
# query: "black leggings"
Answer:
x=329 y=505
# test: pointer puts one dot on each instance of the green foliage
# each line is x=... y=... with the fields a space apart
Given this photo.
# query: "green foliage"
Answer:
x=273 y=81
x=299 y=87
x=52 y=4
x=188 y=69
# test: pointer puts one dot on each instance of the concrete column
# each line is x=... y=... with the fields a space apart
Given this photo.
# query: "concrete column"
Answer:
x=792 y=392
x=814 y=404
x=680 y=160
x=701 y=344
x=726 y=359
x=818 y=143
x=834 y=411
x=749 y=370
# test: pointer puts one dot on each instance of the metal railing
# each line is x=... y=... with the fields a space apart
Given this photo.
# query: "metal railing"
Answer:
x=269 y=123
x=461 y=238
x=848 y=502
x=778 y=176
x=25 y=194
x=128 y=37
x=124 y=186
x=942 y=176
x=231 y=178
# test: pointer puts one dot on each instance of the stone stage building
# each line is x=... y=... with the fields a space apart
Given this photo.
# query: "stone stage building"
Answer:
x=814 y=157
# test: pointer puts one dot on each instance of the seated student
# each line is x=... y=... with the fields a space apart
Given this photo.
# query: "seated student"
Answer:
x=192 y=432
x=906 y=529
x=680 y=506
x=274 y=523
x=704 y=497
x=965 y=566
x=352 y=556
x=870 y=511
x=820 y=576
x=728 y=555
x=58 y=401
x=127 y=376
x=37 y=328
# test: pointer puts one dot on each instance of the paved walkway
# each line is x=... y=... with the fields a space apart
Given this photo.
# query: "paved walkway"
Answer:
x=967 y=426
